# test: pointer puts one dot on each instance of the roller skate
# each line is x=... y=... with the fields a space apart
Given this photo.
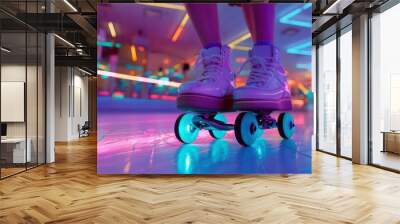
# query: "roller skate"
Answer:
x=205 y=97
x=266 y=91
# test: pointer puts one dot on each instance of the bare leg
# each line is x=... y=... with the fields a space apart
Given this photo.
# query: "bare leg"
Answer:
x=204 y=17
x=260 y=19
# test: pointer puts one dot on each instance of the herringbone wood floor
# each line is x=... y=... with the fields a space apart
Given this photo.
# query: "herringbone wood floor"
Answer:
x=70 y=191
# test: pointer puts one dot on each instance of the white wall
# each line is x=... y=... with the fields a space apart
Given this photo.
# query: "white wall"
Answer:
x=314 y=90
x=71 y=102
x=12 y=73
x=33 y=127
x=62 y=82
x=80 y=111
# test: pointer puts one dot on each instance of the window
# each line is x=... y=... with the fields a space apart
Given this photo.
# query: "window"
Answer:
x=346 y=93
x=385 y=89
x=22 y=77
x=327 y=96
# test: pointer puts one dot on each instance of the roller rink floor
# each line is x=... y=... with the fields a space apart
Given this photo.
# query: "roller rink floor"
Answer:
x=136 y=136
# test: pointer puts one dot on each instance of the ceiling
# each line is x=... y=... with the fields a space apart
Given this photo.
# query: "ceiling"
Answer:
x=155 y=25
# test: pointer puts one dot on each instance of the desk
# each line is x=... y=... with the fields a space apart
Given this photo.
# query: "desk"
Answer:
x=391 y=141
x=18 y=150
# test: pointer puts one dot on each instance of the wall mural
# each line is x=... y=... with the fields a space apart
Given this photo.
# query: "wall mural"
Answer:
x=204 y=88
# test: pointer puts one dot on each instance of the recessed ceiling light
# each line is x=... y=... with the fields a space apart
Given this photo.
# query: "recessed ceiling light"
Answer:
x=338 y=6
x=5 y=50
x=70 y=5
x=84 y=71
x=65 y=41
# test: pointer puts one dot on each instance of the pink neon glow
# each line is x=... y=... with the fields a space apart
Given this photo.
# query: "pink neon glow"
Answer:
x=162 y=97
x=103 y=93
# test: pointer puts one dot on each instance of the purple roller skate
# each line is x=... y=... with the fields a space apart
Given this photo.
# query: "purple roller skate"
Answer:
x=266 y=87
x=212 y=89
x=266 y=90
x=211 y=92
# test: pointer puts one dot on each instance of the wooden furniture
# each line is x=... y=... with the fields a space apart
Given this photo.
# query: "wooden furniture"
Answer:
x=391 y=141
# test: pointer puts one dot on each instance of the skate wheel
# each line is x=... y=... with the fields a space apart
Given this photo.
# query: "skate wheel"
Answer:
x=185 y=130
x=246 y=128
x=217 y=134
x=286 y=126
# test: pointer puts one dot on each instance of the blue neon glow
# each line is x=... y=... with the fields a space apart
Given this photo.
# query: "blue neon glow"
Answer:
x=163 y=79
x=153 y=77
x=288 y=18
x=171 y=70
x=179 y=76
x=306 y=66
x=134 y=67
x=310 y=96
x=301 y=49
x=108 y=44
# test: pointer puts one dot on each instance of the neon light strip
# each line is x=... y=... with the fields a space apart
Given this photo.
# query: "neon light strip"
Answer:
x=133 y=53
x=303 y=66
x=300 y=49
x=112 y=29
x=65 y=41
x=165 y=5
x=241 y=48
x=104 y=44
x=288 y=18
x=237 y=41
x=70 y=5
x=179 y=30
x=138 y=79
x=108 y=44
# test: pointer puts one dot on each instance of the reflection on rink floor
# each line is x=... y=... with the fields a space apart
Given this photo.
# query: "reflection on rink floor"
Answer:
x=143 y=142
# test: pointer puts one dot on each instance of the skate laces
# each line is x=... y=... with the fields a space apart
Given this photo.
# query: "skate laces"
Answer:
x=262 y=70
x=212 y=65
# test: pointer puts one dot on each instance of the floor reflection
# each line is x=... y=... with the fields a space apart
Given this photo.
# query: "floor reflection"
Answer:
x=261 y=157
x=144 y=143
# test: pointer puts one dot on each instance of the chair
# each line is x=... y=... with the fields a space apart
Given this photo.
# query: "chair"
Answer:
x=84 y=130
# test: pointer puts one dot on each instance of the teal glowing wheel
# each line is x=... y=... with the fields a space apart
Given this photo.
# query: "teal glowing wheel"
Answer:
x=247 y=129
x=218 y=134
x=185 y=130
x=286 y=126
